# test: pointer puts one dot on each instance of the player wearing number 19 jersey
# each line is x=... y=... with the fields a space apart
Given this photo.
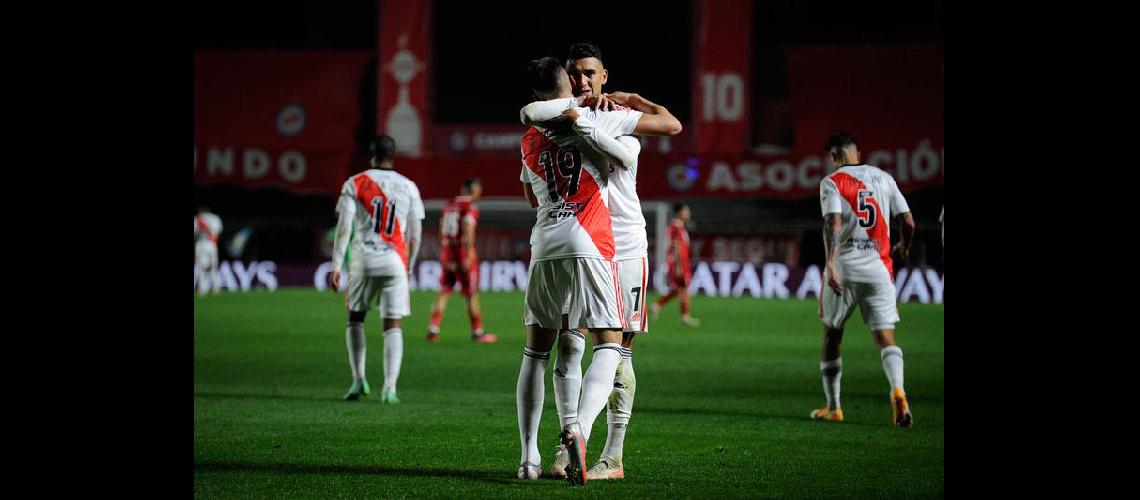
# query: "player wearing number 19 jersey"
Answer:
x=381 y=213
x=587 y=75
x=573 y=253
x=858 y=202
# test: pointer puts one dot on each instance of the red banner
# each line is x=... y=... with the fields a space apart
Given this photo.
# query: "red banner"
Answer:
x=722 y=37
x=283 y=119
x=405 y=50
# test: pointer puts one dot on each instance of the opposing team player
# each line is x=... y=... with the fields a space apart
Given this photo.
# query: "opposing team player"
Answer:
x=679 y=267
x=572 y=251
x=588 y=75
x=458 y=262
x=207 y=228
x=381 y=212
x=858 y=202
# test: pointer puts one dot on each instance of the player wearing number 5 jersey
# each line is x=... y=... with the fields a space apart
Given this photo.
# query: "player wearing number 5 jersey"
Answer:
x=458 y=263
x=858 y=202
x=381 y=213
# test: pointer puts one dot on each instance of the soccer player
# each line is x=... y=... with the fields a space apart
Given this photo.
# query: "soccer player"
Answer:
x=587 y=76
x=572 y=251
x=680 y=269
x=458 y=261
x=858 y=202
x=207 y=227
x=381 y=213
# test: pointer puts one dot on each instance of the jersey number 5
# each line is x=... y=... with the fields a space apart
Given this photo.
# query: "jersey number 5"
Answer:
x=568 y=163
x=866 y=211
x=383 y=213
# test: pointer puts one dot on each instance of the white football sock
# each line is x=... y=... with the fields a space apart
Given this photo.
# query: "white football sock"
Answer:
x=597 y=385
x=620 y=406
x=529 y=395
x=568 y=375
x=831 y=371
x=893 y=364
x=393 y=356
x=354 y=337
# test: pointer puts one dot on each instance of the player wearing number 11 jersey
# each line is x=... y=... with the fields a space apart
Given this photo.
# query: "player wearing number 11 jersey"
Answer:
x=858 y=202
x=381 y=213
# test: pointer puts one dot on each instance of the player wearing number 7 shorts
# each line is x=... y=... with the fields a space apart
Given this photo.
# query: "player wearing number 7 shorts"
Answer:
x=572 y=252
x=587 y=76
x=858 y=202
x=381 y=213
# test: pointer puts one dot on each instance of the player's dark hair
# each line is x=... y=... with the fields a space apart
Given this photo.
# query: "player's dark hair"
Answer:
x=582 y=50
x=678 y=206
x=470 y=183
x=544 y=75
x=839 y=139
x=383 y=148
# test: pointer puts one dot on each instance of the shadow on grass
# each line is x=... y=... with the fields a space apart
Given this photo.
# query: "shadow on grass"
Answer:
x=230 y=395
x=365 y=470
x=761 y=415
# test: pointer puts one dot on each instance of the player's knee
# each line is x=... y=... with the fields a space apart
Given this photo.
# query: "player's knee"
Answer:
x=356 y=316
x=390 y=323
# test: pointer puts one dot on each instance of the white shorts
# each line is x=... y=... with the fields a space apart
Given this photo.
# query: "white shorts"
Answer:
x=206 y=255
x=388 y=293
x=876 y=302
x=633 y=275
x=590 y=286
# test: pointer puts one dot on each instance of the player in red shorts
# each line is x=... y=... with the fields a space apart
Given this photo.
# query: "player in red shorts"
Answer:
x=458 y=261
x=680 y=270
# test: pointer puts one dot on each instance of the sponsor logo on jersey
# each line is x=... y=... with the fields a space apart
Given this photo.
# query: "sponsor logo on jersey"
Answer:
x=567 y=209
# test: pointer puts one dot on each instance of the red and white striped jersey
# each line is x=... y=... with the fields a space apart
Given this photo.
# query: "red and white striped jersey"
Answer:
x=207 y=227
x=866 y=198
x=379 y=203
x=570 y=179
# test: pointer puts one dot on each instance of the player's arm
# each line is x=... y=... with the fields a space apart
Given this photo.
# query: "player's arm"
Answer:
x=901 y=209
x=416 y=216
x=541 y=111
x=679 y=267
x=906 y=236
x=467 y=241
x=832 y=208
x=414 y=237
x=832 y=231
x=528 y=192
x=346 y=210
x=655 y=118
x=623 y=154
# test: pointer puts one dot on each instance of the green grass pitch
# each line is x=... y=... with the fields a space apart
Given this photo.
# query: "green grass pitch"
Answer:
x=720 y=410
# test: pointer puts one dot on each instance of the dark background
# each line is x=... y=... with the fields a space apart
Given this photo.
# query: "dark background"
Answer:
x=478 y=54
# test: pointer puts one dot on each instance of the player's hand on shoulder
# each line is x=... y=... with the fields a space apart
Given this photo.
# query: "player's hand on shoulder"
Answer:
x=599 y=103
x=622 y=98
